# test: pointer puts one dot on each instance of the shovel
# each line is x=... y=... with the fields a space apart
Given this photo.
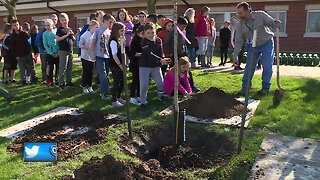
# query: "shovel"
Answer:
x=278 y=93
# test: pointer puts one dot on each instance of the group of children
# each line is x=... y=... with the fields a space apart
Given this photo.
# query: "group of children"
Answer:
x=101 y=45
x=55 y=46
x=148 y=50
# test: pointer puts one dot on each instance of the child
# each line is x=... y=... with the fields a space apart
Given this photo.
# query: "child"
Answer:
x=118 y=29
x=150 y=65
x=22 y=52
x=163 y=34
x=225 y=39
x=182 y=48
x=211 y=43
x=51 y=46
x=183 y=83
x=65 y=38
x=101 y=53
x=86 y=54
x=134 y=55
x=10 y=63
x=33 y=34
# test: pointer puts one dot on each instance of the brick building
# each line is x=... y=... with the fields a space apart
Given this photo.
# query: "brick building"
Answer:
x=300 y=30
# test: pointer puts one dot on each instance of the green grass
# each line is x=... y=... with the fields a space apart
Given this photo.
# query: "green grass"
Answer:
x=297 y=115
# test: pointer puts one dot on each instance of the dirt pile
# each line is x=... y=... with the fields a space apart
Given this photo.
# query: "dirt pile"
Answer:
x=109 y=168
x=212 y=104
x=70 y=132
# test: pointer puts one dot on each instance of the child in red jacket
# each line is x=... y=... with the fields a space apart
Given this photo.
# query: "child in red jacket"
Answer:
x=163 y=34
x=183 y=84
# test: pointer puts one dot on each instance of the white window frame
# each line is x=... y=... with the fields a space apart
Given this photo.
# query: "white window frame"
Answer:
x=81 y=17
x=311 y=34
x=282 y=34
x=227 y=17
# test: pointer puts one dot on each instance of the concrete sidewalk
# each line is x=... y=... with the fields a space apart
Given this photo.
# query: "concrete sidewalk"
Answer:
x=291 y=71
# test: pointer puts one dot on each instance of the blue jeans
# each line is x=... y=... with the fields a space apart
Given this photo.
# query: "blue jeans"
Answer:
x=266 y=53
x=192 y=55
x=103 y=71
x=203 y=45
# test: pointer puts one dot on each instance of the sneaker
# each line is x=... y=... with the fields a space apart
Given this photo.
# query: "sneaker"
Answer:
x=14 y=81
x=195 y=89
x=139 y=100
x=263 y=91
x=34 y=79
x=85 y=90
x=70 y=84
x=135 y=101
x=221 y=64
x=117 y=104
x=258 y=67
x=61 y=87
x=142 y=108
x=122 y=101
x=237 y=67
x=90 y=89
x=242 y=92
x=105 y=97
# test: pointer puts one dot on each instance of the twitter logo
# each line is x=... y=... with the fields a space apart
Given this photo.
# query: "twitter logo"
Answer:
x=31 y=153
x=40 y=152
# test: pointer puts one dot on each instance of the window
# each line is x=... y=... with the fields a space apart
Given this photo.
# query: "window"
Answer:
x=220 y=18
x=38 y=22
x=313 y=22
x=81 y=21
x=282 y=18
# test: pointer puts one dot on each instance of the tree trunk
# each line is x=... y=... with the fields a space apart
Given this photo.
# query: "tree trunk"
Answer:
x=152 y=6
x=11 y=7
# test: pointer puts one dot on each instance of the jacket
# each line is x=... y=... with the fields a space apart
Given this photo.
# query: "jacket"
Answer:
x=148 y=60
x=169 y=83
x=203 y=26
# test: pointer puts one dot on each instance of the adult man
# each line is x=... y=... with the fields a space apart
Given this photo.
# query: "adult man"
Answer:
x=260 y=21
x=142 y=20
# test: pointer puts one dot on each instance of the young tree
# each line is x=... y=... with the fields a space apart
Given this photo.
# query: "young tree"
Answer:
x=11 y=6
x=152 y=6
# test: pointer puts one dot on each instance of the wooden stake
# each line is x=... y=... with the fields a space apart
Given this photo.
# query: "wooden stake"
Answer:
x=125 y=81
x=175 y=55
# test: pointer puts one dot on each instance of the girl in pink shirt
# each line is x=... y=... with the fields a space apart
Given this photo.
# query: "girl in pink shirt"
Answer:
x=183 y=84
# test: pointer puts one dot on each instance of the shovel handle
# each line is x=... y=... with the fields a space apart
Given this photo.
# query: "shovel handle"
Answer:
x=278 y=51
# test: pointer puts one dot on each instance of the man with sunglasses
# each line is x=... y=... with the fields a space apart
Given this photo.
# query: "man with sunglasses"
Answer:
x=142 y=20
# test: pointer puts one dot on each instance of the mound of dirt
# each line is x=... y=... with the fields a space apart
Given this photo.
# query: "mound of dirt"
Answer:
x=202 y=149
x=110 y=168
x=70 y=132
x=212 y=104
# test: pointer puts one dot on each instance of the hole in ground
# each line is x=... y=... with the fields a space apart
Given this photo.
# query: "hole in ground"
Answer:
x=202 y=149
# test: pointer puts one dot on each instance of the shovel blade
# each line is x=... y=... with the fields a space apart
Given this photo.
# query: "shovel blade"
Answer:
x=277 y=97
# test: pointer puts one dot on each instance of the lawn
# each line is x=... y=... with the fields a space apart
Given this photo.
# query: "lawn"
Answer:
x=298 y=115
